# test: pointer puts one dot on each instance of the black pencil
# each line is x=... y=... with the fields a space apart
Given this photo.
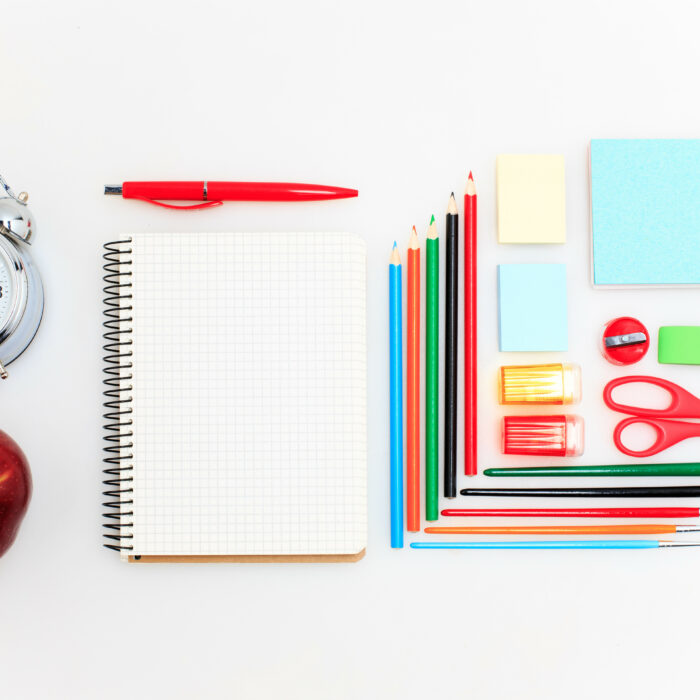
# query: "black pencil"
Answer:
x=596 y=492
x=451 y=336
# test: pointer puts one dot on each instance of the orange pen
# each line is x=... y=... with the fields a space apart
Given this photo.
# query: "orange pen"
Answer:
x=413 y=387
x=649 y=529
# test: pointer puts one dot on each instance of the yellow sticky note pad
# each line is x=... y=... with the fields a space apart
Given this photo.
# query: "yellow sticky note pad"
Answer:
x=531 y=193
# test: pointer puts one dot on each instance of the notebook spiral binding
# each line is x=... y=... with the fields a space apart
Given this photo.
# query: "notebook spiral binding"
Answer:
x=118 y=426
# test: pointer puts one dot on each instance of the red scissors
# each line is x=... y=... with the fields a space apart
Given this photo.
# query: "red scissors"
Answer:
x=668 y=432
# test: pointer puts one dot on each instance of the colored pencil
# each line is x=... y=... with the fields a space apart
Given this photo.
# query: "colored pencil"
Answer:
x=470 y=326
x=557 y=544
x=641 y=512
x=451 y=337
x=650 y=529
x=432 y=340
x=595 y=492
x=676 y=469
x=396 y=398
x=413 y=387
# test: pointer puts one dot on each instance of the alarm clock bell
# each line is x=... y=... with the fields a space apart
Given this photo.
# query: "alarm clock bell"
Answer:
x=21 y=291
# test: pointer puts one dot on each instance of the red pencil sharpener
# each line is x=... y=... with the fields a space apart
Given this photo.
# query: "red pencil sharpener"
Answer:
x=553 y=436
x=625 y=341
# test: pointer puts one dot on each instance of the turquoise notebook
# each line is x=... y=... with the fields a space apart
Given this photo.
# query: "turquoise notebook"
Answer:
x=645 y=211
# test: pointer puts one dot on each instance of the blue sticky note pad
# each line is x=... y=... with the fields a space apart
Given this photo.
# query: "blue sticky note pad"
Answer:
x=532 y=308
x=645 y=211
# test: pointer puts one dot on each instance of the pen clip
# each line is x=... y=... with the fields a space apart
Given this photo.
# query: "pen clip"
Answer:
x=200 y=205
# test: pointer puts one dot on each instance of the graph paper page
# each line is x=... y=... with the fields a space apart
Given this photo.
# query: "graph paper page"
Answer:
x=249 y=394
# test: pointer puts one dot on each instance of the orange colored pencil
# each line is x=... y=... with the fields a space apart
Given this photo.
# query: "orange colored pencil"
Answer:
x=563 y=530
x=413 y=387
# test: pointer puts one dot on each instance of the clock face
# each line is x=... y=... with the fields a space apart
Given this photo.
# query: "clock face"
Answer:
x=6 y=290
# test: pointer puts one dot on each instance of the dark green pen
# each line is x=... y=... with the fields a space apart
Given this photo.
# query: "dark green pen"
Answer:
x=674 y=469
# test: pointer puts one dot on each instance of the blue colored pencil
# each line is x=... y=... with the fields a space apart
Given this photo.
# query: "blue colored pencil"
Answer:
x=557 y=544
x=396 y=398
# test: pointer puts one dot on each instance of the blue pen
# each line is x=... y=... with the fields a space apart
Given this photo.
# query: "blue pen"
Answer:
x=557 y=544
x=396 y=398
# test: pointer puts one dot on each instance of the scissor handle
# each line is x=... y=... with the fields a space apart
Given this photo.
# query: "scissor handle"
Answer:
x=668 y=433
x=683 y=404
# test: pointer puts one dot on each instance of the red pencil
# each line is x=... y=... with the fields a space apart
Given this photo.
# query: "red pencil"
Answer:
x=413 y=387
x=470 y=348
x=576 y=512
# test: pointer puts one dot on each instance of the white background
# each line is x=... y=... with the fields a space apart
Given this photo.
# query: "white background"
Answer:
x=399 y=100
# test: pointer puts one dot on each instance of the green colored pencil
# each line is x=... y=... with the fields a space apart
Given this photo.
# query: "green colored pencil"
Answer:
x=675 y=469
x=432 y=333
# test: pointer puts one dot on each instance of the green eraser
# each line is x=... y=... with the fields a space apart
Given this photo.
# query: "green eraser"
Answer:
x=679 y=345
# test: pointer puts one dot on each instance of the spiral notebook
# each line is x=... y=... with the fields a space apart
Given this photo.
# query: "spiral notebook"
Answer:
x=236 y=397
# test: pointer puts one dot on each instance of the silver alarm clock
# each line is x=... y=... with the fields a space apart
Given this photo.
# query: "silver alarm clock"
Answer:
x=21 y=291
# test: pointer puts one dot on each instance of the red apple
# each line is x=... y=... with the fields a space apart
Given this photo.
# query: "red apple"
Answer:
x=15 y=490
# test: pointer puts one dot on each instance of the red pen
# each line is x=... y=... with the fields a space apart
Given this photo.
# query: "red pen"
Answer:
x=213 y=194
x=639 y=512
